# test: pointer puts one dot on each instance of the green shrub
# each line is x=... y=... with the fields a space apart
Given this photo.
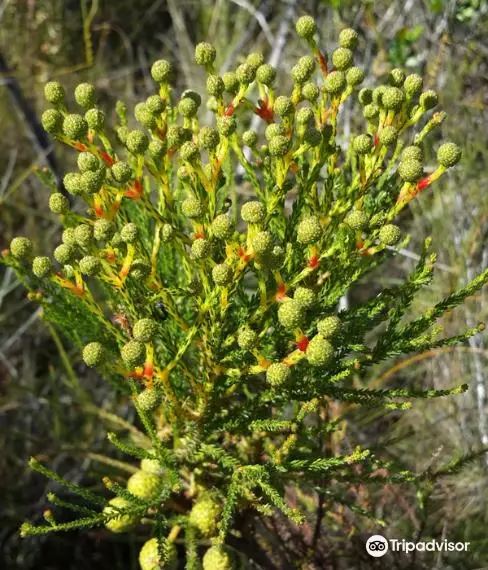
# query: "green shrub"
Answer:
x=221 y=320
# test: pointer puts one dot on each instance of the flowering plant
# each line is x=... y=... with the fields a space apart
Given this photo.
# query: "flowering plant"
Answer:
x=220 y=318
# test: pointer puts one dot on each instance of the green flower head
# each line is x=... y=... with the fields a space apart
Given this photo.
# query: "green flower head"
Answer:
x=85 y=95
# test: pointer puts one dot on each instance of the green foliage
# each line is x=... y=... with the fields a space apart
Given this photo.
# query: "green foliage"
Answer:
x=224 y=328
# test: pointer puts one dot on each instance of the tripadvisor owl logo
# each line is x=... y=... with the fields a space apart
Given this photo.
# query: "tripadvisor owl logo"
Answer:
x=376 y=545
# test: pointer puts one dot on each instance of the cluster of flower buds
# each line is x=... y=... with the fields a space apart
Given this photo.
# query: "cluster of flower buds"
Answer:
x=192 y=293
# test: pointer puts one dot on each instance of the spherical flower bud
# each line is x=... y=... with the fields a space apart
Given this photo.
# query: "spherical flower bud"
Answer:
x=449 y=154
x=122 y=172
x=246 y=338
x=137 y=142
x=151 y=465
x=75 y=127
x=222 y=227
x=313 y=137
x=116 y=240
x=378 y=94
x=103 y=230
x=245 y=74
x=166 y=232
x=262 y=243
x=307 y=62
x=156 y=149
x=255 y=60
x=388 y=135
x=215 y=85
x=222 y=274
x=392 y=98
x=64 y=253
x=145 y=116
x=193 y=95
x=362 y=144
x=226 y=125
x=389 y=234
x=348 y=38
x=95 y=119
x=278 y=146
x=54 y=93
x=149 y=558
x=249 y=138
x=68 y=237
x=93 y=181
x=58 y=204
x=177 y=135
x=310 y=92
x=354 y=76
x=309 y=230
x=187 y=107
x=140 y=269
x=396 y=77
x=335 y=82
x=68 y=271
x=329 y=326
x=189 y=152
x=208 y=138
x=231 y=83
x=52 y=121
x=90 y=265
x=129 y=233
x=205 y=54
x=133 y=353
x=161 y=71
x=148 y=400
x=291 y=314
x=41 y=267
x=205 y=516
x=85 y=95
x=144 y=485
x=365 y=96
x=21 y=247
x=193 y=208
x=319 y=351
x=144 y=330
x=305 y=297
x=370 y=111
x=274 y=130
x=93 y=354
x=413 y=84
x=218 y=558
x=88 y=162
x=183 y=173
x=266 y=74
x=277 y=374
x=413 y=152
x=357 y=220
x=83 y=235
x=304 y=116
x=200 y=248
x=306 y=27
x=299 y=74
x=410 y=170
x=119 y=522
x=155 y=104
x=342 y=58
x=283 y=106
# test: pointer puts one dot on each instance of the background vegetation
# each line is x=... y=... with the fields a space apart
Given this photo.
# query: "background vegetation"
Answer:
x=53 y=408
